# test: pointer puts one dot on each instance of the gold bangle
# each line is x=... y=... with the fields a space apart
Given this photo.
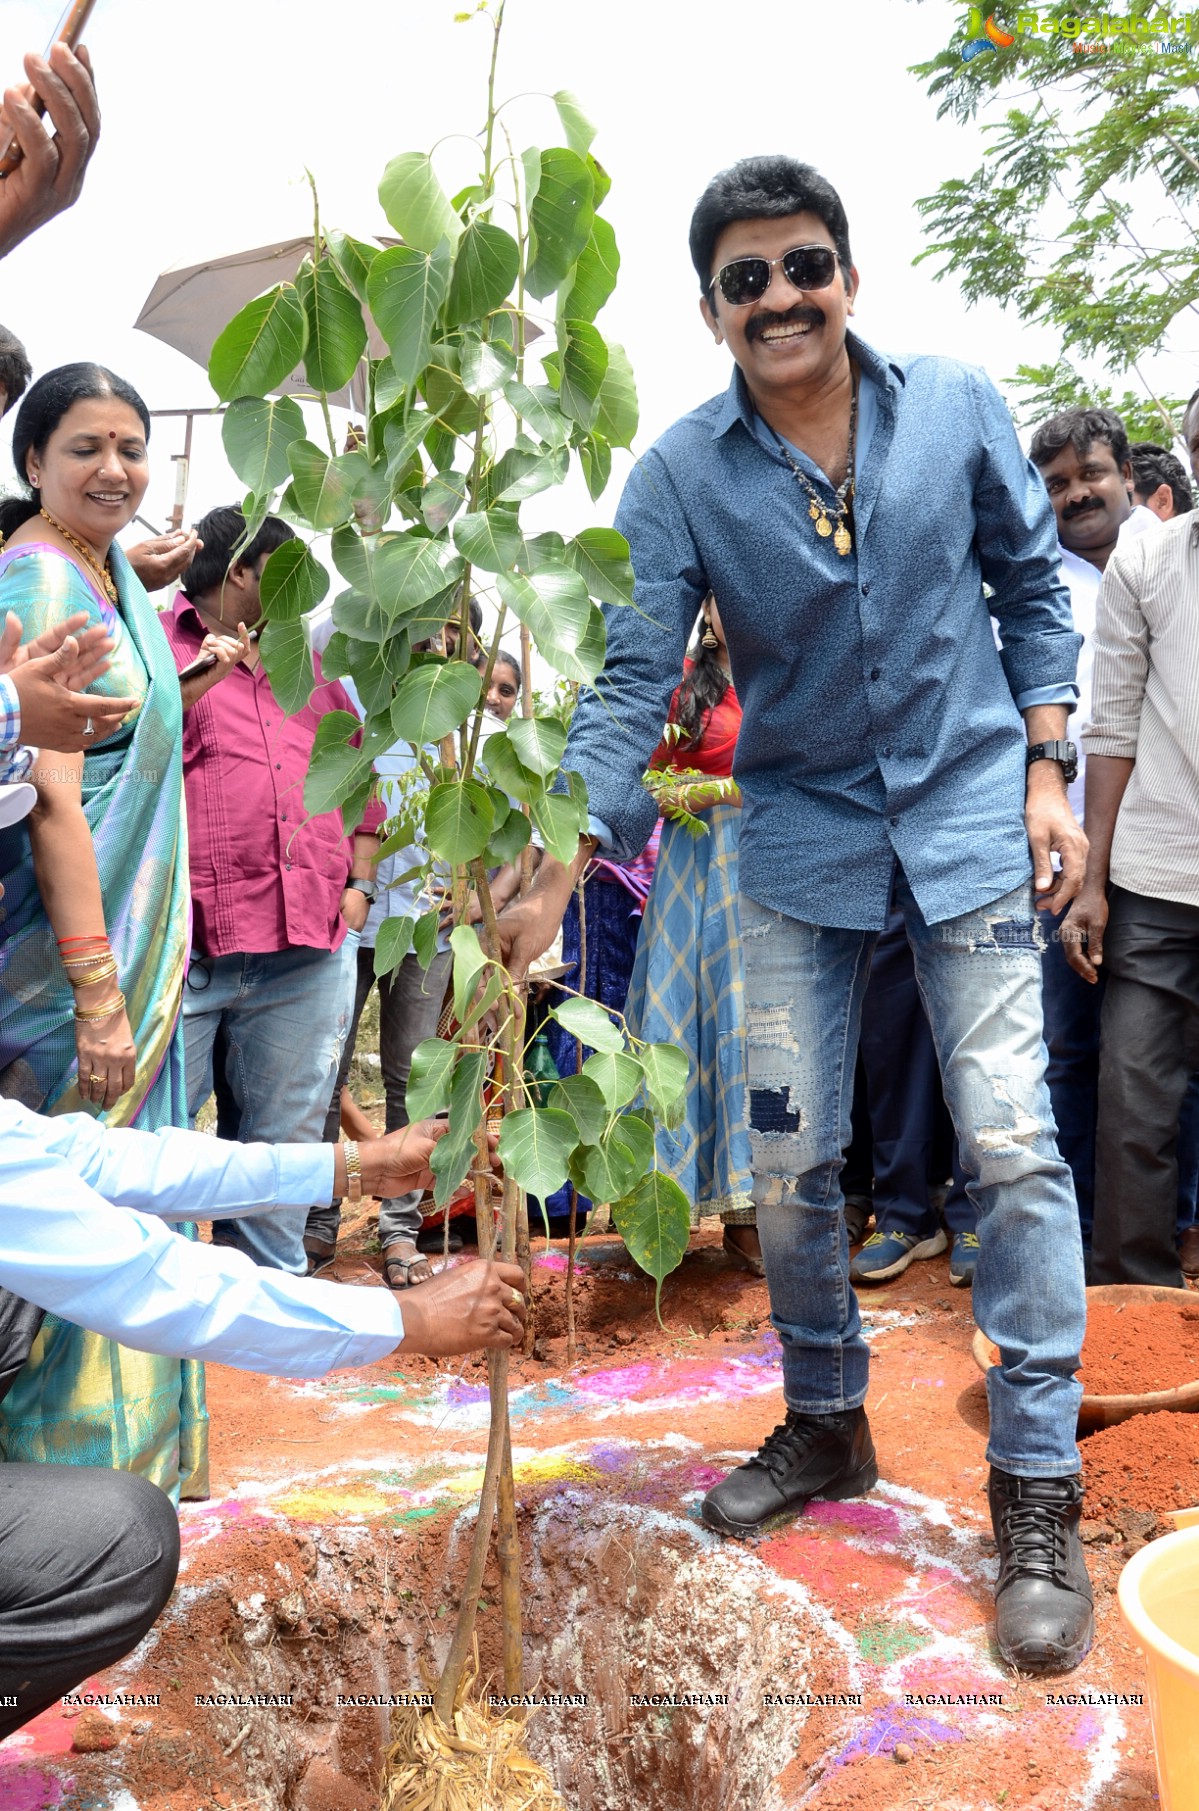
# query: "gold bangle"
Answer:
x=91 y=1015
x=101 y=974
x=353 y=1170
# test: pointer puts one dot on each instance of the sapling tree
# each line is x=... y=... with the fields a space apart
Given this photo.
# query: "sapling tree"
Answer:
x=464 y=423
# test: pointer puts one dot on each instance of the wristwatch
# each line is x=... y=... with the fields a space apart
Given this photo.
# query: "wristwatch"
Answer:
x=1064 y=753
x=370 y=891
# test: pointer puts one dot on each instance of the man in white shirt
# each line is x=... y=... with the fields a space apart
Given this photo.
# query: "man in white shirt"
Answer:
x=1084 y=458
x=1143 y=933
x=88 y=1557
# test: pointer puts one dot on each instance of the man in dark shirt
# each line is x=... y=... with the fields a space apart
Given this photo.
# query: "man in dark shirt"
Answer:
x=846 y=508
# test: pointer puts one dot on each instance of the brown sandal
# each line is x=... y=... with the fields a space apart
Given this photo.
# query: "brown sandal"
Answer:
x=402 y=1262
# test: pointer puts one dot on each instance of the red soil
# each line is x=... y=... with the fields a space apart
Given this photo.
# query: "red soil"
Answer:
x=1148 y=1464
x=1142 y=1346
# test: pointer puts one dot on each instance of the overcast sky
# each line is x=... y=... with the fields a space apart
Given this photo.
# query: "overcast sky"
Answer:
x=212 y=111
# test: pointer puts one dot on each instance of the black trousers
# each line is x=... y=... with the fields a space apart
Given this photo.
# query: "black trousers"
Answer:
x=1149 y=1048
x=87 y=1560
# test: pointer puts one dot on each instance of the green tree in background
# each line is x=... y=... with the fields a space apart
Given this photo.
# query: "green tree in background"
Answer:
x=1082 y=215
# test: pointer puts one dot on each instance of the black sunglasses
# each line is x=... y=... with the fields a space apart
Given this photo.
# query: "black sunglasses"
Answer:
x=748 y=279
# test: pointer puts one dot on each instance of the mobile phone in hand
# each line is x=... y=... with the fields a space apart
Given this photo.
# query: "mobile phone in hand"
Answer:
x=68 y=31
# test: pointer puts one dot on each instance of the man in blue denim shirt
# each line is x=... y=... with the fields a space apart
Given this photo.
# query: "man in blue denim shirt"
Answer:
x=846 y=509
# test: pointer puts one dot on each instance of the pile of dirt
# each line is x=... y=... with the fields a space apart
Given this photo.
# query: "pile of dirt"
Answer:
x=1147 y=1466
x=1139 y=1347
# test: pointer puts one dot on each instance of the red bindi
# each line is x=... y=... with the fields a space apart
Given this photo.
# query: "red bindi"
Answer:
x=111 y=435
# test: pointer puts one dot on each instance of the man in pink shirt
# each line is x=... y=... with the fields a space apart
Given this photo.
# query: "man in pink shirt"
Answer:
x=278 y=898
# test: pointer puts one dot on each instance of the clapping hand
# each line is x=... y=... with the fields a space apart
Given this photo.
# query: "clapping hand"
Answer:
x=49 y=674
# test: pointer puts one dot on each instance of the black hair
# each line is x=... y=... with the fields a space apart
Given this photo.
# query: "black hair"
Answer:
x=1154 y=465
x=15 y=368
x=504 y=659
x=764 y=188
x=41 y=412
x=703 y=688
x=1080 y=428
x=221 y=530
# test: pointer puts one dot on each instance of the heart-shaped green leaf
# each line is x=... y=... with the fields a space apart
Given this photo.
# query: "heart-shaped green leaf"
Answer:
x=429 y=1077
x=490 y=539
x=588 y=1022
x=595 y=274
x=336 y=337
x=393 y=940
x=485 y=271
x=617 y=1075
x=600 y=556
x=609 y=1169
x=540 y=742
x=406 y=289
x=459 y=818
x=560 y=218
x=416 y=204
x=324 y=489
x=287 y=662
x=654 y=1221
x=433 y=699
x=256 y=433
x=535 y=1148
x=579 y=1096
x=261 y=346
x=334 y=767
x=293 y=582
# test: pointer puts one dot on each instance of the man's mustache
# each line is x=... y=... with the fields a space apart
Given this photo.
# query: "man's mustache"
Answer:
x=1082 y=508
x=802 y=313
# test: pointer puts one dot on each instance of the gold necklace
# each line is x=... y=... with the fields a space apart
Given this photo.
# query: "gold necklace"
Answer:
x=101 y=573
x=844 y=493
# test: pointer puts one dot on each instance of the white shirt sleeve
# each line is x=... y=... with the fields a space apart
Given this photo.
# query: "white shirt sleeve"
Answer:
x=67 y=1246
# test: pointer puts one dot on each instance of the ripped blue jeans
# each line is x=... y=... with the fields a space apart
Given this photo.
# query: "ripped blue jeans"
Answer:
x=980 y=977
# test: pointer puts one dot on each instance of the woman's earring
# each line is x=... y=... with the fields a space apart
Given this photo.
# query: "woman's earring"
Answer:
x=708 y=639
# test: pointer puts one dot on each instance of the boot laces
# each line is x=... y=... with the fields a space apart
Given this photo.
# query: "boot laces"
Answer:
x=790 y=1441
x=1036 y=1534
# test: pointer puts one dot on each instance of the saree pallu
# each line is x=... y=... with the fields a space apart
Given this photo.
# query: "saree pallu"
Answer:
x=688 y=990
x=81 y=1399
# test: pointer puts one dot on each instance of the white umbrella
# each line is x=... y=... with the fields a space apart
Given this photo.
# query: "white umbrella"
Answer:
x=191 y=303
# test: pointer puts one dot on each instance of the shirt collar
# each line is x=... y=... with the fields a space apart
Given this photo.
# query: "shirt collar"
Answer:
x=737 y=405
x=187 y=616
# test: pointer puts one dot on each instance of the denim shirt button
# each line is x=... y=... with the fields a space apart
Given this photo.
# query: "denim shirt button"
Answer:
x=895 y=821
x=887 y=756
x=866 y=589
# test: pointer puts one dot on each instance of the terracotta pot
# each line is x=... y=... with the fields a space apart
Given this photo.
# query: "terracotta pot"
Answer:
x=1105 y=1411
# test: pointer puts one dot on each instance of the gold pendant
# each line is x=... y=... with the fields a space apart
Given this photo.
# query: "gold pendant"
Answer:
x=814 y=510
x=842 y=540
x=824 y=528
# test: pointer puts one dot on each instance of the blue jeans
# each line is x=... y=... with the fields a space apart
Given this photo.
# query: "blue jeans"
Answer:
x=980 y=977
x=283 y=1018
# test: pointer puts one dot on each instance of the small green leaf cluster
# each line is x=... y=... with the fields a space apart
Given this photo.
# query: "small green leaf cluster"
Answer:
x=596 y=1129
x=1082 y=215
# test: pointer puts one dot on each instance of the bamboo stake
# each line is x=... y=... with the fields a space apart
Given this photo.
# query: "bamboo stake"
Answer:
x=580 y=895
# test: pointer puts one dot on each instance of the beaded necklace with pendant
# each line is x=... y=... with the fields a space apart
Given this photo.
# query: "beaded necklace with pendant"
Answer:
x=844 y=493
x=101 y=574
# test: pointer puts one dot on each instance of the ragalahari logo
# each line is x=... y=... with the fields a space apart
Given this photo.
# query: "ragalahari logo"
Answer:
x=983 y=34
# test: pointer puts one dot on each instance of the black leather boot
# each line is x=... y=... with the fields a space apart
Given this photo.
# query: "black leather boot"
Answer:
x=1044 y=1620
x=829 y=1456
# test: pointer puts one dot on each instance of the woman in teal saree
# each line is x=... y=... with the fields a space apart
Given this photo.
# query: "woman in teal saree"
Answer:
x=104 y=856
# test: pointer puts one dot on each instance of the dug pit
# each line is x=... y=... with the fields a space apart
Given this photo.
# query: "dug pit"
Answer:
x=853 y=1647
